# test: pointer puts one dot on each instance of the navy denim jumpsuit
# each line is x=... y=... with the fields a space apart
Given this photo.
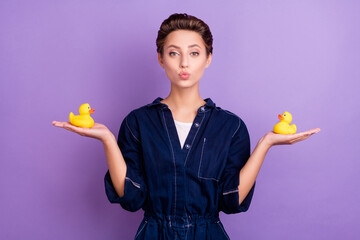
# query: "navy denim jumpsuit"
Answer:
x=182 y=190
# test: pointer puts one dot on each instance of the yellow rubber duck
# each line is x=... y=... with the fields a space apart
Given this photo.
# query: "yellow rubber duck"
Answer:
x=84 y=119
x=284 y=127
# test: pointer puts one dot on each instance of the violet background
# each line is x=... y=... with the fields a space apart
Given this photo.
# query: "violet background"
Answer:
x=269 y=57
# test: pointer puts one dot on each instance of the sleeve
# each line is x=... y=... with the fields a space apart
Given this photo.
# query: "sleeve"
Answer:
x=135 y=190
x=238 y=155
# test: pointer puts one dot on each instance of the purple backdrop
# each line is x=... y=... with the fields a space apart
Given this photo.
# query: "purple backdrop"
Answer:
x=269 y=57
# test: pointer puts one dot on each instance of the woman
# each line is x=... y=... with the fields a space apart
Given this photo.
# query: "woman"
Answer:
x=182 y=159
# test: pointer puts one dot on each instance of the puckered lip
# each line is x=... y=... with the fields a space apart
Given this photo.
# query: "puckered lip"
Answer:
x=184 y=73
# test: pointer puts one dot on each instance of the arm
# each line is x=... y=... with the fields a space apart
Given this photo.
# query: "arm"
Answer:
x=115 y=160
x=116 y=164
x=124 y=181
x=252 y=167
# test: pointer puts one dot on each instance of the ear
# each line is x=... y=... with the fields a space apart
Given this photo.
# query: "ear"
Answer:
x=208 y=61
x=160 y=60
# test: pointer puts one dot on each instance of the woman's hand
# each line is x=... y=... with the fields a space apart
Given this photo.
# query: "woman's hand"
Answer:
x=272 y=138
x=98 y=131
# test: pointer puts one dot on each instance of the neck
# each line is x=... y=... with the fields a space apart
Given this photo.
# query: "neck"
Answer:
x=184 y=98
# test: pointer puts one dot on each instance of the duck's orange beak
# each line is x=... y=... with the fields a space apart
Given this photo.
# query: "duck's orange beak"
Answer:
x=280 y=117
x=91 y=110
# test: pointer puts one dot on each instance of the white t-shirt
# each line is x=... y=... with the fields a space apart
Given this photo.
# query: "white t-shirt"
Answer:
x=183 y=130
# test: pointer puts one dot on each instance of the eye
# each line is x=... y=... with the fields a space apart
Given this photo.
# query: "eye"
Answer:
x=195 y=53
x=173 y=53
x=284 y=115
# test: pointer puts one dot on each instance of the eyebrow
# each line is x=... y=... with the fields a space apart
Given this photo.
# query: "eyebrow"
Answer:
x=190 y=46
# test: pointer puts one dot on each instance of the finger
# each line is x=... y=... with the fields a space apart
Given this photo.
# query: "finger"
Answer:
x=312 y=131
x=316 y=130
x=57 y=123
x=300 y=139
x=72 y=128
x=304 y=136
x=67 y=126
x=307 y=134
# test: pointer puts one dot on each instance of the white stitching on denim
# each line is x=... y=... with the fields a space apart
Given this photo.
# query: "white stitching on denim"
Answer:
x=232 y=191
x=218 y=222
x=209 y=179
x=194 y=139
x=141 y=229
x=130 y=130
x=172 y=150
x=237 y=128
x=230 y=113
x=134 y=183
x=202 y=150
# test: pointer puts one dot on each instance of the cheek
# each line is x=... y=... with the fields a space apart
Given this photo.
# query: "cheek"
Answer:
x=168 y=64
x=170 y=69
x=200 y=65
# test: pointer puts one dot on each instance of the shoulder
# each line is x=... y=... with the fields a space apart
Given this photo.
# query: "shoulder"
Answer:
x=229 y=113
x=131 y=119
x=232 y=117
x=138 y=115
x=136 y=112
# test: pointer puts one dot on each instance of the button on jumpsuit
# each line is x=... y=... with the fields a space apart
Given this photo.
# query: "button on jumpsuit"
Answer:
x=182 y=190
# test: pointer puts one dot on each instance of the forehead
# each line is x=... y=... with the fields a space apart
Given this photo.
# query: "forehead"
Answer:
x=183 y=38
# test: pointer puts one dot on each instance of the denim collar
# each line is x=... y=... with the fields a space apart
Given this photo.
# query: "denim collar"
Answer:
x=156 y=102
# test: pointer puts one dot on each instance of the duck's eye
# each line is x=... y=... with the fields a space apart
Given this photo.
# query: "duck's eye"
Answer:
x=284 y=115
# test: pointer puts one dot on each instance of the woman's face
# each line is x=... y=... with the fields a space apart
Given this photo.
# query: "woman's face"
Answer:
x=184 y=58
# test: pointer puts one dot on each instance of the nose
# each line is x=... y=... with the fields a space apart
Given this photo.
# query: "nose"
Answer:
x=184 y=61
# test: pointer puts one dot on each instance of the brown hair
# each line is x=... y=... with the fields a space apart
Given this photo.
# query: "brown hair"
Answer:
x=184 y=21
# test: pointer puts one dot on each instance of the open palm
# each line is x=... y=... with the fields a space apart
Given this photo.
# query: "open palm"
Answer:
x=98 y=131
x=282 y=139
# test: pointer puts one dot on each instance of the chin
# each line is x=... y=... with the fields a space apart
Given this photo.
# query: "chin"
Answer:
x=186 y=84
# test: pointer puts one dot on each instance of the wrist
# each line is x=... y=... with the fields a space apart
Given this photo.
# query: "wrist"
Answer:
x=265 y=142
x=108 y=137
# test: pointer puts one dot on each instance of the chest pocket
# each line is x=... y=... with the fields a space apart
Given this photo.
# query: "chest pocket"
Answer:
x=212 y=160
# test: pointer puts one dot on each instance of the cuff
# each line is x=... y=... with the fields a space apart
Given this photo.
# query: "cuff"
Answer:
x=133 y=198
x=230 y=195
